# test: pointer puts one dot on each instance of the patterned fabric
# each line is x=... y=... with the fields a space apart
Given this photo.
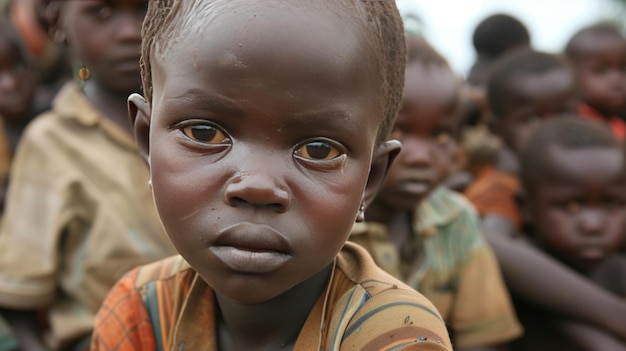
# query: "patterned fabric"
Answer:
x=456 y=270
x=494 y=192
x=167 y=306
x=79 y=215
x=617 y=124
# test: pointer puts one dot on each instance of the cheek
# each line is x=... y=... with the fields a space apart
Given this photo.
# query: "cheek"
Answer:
x=556 y=227
x=617 y=229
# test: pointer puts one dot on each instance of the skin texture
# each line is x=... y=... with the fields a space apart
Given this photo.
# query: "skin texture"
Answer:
x=579 y=211
x=260 y=145
x=17 y=82
x=105 y=36
x=601 y=72
x=531 y=99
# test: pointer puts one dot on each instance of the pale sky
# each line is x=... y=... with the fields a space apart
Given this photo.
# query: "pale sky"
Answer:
x=449 y=24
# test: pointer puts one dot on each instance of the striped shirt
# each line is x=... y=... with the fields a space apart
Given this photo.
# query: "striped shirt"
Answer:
x=167 y=306
x=456 y=269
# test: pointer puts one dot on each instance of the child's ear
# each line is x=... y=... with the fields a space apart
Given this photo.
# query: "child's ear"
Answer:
x=140 y=112
x=383 y=157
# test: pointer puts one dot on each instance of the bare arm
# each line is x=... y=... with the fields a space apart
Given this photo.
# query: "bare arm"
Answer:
x=539 y=279
x=589 y=338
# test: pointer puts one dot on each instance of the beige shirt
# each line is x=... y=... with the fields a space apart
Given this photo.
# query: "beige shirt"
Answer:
x=79 y=215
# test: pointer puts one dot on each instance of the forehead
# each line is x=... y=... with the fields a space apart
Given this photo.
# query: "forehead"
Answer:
x=600 y=44
x=556 y=84
x=430 y=84
x=595 y=166
x=310 y=46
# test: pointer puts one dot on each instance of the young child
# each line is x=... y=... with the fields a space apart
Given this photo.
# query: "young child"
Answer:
x=264 y=124
x=425 y=234
x=598 y=54
x=574 y=178
x=525 y=87
x=493 y=37
x=17 y=88
x=79 y=211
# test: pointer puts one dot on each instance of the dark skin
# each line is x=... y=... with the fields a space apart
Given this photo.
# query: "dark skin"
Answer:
x=601 y=70
x=260 y=132
x=530 y=99
x=425 y=126
x=105 y=35
x=578 y=213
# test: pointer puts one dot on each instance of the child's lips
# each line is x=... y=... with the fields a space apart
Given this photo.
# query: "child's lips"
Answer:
x=415 y=187
x=251 y=248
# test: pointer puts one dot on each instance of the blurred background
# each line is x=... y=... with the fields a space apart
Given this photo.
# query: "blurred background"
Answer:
x=449 y=24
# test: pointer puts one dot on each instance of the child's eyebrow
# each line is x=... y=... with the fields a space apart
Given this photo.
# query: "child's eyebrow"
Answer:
x=199 y=99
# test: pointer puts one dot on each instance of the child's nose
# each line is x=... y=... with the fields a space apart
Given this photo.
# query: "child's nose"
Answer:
x=8 y=81
x=416 y=152
x=592 y=222
x=257 y=188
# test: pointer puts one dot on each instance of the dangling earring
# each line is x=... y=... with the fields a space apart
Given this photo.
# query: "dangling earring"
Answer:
x=150 y=183
x=360 y=216
x=84 y=74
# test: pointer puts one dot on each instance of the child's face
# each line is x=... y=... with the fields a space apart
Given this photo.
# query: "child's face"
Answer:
x=426 y=126
x=602 y=73
x=17 y=82
x=531 y=99
x=262 y=132
x=579 y=211
x=105 y=35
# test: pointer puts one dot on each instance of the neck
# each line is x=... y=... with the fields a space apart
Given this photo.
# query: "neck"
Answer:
x=111 y=104
x=273 y=324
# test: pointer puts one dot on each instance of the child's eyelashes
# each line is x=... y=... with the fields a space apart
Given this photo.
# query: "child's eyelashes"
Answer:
x=101 y=12
x=321 y=153
x=204 y=133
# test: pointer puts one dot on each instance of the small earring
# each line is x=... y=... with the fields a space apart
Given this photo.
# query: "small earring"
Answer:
x=84 y=74
x=360 y=216
x=150 y=183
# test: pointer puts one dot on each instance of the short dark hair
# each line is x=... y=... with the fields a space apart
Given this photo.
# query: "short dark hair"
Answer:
x=519 y=63
x=570 y=133
x=573 y=50
x=499 y=33
x=381 y=22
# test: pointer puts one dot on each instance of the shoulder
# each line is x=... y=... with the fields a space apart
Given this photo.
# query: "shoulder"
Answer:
x=380 y=311
x=446 y=212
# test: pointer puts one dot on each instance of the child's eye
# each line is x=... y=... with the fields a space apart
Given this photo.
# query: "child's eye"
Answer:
x=443 y=138
x=572 y=207
x=318 y=150
x=205 y=134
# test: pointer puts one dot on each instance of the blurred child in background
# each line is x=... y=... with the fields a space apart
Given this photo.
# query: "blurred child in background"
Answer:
x=18 y=81
x=525 y=87
x=493 y=37
x=598 y=54
x=79 y=209
x=574 y=178
x=426 y=234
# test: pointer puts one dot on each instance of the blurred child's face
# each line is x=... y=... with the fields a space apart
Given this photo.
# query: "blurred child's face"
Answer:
x=601 y=73
x=579 y=211
x=262 y=133
x=426 y=126
x=531 y=99
x=105 y=35
x=17 y=82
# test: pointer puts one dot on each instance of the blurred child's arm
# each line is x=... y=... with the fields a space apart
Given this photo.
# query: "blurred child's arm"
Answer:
x=25 y=329
x=541 y=280
x=589 y=338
